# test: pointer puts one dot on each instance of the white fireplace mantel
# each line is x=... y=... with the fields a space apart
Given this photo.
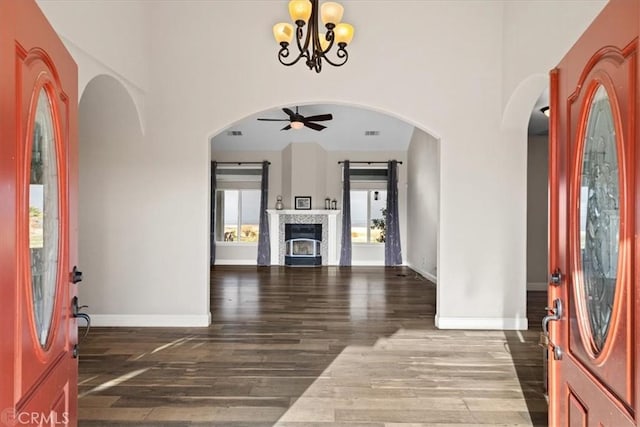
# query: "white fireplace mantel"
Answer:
x=299 y=216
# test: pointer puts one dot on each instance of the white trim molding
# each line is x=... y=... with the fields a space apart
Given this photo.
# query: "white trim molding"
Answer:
x=430 y=277
x=151 y=320
x=483 y=323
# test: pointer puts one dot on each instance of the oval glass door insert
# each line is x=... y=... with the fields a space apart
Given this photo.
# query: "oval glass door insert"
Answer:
x=44 y=218
x=599 y=217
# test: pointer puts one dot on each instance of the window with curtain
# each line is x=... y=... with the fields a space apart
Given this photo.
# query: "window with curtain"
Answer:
x=237 y=207
x=368 y=203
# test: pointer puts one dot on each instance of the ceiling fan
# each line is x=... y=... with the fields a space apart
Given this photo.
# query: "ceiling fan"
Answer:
x=298 y=121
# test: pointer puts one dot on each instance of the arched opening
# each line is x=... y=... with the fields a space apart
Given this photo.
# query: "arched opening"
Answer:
x=305 y=162
x=110 y=137
x=537 y=194
x=524 y=124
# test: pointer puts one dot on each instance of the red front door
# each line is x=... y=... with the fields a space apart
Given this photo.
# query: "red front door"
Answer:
x=38 y=225
x=593 y=369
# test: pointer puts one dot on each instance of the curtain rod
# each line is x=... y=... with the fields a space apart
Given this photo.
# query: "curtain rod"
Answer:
x=241 y=163
x=367 y=163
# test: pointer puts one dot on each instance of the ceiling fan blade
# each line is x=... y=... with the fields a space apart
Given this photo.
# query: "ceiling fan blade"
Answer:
x=314 y=126
x=274 y=120
x=319 y=118
x=288 y=112
x=287 y=127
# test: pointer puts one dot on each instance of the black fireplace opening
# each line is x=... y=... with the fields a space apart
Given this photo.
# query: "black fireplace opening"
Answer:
x=303 y=244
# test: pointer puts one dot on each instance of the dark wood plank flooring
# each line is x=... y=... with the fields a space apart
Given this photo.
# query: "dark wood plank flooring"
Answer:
x=314 y=346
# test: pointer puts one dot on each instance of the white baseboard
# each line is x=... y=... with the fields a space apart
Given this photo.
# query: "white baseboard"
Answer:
x=236 y=262
x=430 y=277
x=483 y=323
x=151 y=320
x=537 y=286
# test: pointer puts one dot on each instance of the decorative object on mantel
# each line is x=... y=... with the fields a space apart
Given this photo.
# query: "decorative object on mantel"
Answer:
x=316 y=45
x=302 y=202
x=334 y=204
x=279 y=205
x=327 y=203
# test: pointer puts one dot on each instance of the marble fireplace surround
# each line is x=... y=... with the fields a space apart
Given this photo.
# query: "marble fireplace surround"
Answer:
x=328 y=219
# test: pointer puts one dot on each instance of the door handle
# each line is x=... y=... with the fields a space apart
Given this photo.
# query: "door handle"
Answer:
x=555 y=314
x=75 y=310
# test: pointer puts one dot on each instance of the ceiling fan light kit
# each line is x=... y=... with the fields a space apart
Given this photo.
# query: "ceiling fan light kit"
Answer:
x=298 y=121
x=314 y=45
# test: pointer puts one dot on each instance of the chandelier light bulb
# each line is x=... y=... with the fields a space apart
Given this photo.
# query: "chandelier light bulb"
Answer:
x=283 y=32
x=344 y=33
x=331 y=13
x=300 y=10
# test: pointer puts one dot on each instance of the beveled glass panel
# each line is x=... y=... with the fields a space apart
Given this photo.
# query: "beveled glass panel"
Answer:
x=599 y=217
x=44 y=218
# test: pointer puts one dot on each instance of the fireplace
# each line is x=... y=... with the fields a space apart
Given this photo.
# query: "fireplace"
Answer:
x=302 y=244
x=327 y=219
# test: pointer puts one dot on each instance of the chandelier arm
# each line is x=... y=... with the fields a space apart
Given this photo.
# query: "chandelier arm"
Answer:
x=331 y=39
x=340 y=53
x=284 y=53
x=299 y=35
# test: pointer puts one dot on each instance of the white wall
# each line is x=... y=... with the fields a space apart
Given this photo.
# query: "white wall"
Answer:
x=532 y=48
x=115 y=33
x=106 y=37
x=448 y=69
x=423 y=204
x=307 y=168
x=117 y=230
x=287 y=192
x=537 y=212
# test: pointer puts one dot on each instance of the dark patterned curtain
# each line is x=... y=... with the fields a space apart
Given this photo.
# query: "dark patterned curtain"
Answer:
x=264 y=242
x=345 y=250
x=392 y=250
x=212 y=227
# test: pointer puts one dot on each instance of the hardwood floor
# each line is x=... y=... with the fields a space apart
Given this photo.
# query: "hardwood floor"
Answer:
x=314 y=347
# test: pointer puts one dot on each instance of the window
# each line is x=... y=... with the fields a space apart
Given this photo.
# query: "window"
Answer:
x=368 y=204
x=368 y=216
x=237 y=207
x=238 y=215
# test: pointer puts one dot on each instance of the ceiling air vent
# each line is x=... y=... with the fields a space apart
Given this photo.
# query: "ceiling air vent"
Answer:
x=371 y=132
x=234 y=133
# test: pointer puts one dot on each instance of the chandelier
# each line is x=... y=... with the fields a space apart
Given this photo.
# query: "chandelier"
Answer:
x=314 y=45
